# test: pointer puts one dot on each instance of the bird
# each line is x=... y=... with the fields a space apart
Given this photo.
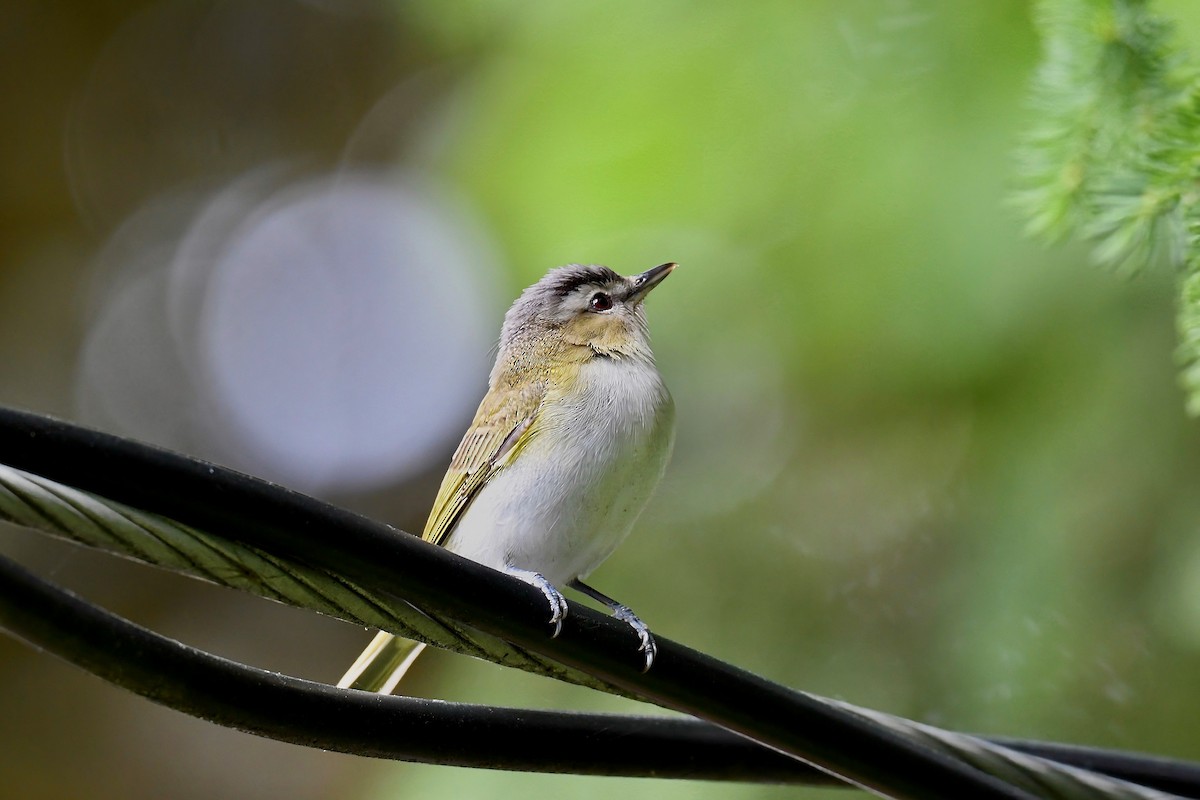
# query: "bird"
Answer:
x=566 y=448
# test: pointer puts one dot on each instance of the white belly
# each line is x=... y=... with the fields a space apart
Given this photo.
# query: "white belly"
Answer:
x=576 y=489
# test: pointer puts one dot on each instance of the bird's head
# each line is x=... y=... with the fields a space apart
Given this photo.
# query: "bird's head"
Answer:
x=588 y=309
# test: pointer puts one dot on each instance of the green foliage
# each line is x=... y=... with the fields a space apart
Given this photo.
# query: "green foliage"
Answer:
x=1113 y=155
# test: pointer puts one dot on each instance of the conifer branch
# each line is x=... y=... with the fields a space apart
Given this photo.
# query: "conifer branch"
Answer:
x=1114 y=155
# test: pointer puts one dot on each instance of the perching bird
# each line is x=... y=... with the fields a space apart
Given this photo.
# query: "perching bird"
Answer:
x=567 y=446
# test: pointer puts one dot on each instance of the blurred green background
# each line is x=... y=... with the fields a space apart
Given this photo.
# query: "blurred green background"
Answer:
x=923 y=464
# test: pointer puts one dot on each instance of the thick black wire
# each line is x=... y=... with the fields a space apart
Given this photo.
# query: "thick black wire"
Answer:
x=266 y=516
x=316 y=715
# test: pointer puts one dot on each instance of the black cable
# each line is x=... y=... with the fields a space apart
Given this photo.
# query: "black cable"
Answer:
x=316 y=715
x=289 y=524
x=1179 y=778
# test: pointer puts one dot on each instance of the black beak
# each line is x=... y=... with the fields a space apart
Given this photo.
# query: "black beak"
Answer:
x=642 y=284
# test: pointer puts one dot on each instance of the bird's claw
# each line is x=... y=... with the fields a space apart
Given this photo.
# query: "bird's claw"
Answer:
x=646 y=643
x=558 y=603
x=558 y=607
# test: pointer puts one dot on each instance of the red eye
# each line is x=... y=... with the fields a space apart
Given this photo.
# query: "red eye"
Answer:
x=600 y=302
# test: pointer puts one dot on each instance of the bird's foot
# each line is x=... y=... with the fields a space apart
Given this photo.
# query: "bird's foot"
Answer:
x=646 y=644
x=558 y=603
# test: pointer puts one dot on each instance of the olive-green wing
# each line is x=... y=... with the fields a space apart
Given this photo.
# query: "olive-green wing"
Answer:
x=502 y=426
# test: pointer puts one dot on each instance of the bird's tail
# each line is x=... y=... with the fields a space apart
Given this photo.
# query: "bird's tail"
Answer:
x=382 y=664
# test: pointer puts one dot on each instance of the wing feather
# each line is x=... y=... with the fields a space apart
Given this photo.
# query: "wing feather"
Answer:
x=501 y=427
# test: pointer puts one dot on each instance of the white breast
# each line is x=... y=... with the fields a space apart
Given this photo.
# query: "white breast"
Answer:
x=576 y=489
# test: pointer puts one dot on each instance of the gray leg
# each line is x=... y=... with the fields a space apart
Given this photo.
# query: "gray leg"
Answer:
x=558 y=603
x=646 y=640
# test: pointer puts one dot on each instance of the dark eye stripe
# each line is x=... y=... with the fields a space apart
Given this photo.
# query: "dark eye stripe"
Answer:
x=570 y=278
